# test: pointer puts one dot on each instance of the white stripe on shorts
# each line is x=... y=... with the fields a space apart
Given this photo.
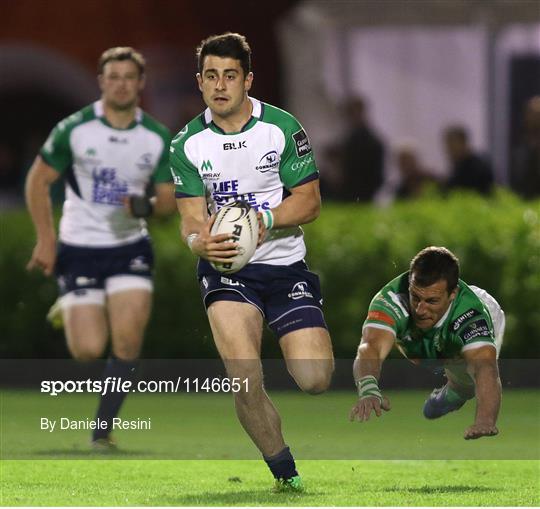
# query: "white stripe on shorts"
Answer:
x=127 y=282
x=93 y=296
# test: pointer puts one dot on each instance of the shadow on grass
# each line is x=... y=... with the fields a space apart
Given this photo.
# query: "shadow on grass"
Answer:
x=455 y=488
x=88 y=454
x=241 y=498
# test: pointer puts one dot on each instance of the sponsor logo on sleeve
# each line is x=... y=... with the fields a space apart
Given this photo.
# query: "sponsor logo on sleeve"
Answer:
x=301 y=143
x=476 y=329
x=386 y=303
x=380 y=316
x=460 y=320
x=299 y=165
x=176 y=179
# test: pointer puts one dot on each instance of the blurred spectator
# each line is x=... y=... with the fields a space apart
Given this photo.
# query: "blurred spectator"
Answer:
x=363 y=155
x=525 y=171
x=8 y=166
x=413 y=175
x=468 y=169
x=331 y=176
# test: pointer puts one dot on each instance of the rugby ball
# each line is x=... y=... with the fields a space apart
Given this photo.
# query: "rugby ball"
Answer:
x=240 y=219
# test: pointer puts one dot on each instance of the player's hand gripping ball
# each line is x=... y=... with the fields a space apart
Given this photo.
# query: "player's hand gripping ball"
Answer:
x=240 y=220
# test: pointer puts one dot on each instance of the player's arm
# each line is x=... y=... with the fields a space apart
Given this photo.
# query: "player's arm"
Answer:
x=195 y=230
x=301 y=207
x=162 y=204
x=374 y=348
x=164 y=201
x=38 y=182
x=482 y=366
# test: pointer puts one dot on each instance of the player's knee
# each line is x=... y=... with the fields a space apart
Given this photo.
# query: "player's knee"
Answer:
x=314 y=385
x=314 y=381
x=86 y=352
x=311 y=376
x=127 y=352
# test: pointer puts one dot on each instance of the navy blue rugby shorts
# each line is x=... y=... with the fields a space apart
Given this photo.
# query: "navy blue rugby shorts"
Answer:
x=82 y=269
x=288 y=296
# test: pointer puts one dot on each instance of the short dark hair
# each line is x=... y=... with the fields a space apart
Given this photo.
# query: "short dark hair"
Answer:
x=121 y=53
x=433 y=264
x=457 y=131
x=229 y=45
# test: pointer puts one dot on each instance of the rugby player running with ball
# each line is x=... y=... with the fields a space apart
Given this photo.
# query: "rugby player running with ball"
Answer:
x=240 y=148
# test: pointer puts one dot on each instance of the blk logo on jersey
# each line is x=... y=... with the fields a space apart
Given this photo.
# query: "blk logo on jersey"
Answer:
x=117 y=139
x=268 y=162
x=235 y=145
x=107 y=189
x=301 y=143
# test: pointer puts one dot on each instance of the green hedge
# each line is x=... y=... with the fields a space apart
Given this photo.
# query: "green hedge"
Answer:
x=355 y=249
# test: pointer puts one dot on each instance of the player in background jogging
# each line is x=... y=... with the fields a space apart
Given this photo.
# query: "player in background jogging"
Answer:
x=429 y=313
x=240 y=148
x=108 y=153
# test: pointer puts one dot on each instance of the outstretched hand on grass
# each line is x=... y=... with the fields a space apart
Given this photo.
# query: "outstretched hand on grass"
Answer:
x=364 y=406
x=480 y=430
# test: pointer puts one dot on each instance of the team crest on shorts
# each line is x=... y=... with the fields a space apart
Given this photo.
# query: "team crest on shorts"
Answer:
x=299 y=291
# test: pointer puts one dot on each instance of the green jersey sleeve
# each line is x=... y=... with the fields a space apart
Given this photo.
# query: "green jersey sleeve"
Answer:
x=56 y=151
x=162 y=172
x=475 y=332
x=185 y=175
x=471 y=324
x=389 y=309
x=297 y=163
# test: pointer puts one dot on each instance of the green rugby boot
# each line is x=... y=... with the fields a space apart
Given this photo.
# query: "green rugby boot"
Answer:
x=54 y=316
x=291 y=485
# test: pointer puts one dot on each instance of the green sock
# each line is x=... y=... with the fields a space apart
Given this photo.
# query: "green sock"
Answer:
x=452 y=396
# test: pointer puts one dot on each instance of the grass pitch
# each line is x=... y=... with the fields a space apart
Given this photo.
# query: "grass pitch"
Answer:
x=197 y=454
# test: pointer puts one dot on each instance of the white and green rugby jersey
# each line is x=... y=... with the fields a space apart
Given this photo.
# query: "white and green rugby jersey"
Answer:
x=270 y=155
x=101 y=165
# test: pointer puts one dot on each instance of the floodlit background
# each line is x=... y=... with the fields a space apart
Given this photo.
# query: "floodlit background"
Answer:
x=377 y=84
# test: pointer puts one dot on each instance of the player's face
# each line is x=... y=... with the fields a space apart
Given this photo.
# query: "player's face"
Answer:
x=223 y=85
x=121 y=84
x=429 y=303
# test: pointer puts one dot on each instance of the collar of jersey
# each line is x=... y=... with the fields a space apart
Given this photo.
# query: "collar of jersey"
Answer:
x=256 y=114
x=100 y=114
x=445 y=316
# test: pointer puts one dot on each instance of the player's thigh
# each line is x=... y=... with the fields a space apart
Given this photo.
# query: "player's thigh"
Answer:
x=85 y=324
x=237 y=331
x=307 y=343
x=129 y=303
x=82 y=301
x=309 y=357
